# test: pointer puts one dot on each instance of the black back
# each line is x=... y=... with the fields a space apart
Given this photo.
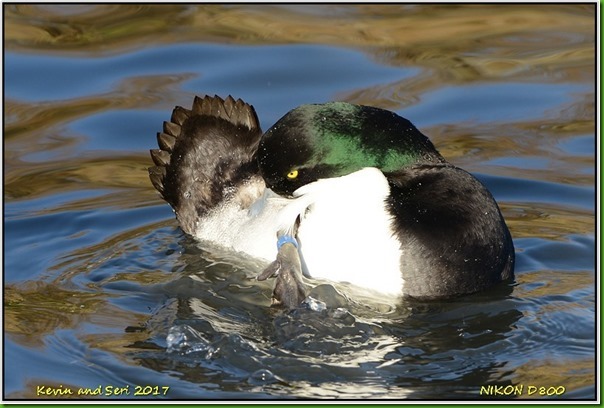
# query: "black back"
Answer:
x=453 y=237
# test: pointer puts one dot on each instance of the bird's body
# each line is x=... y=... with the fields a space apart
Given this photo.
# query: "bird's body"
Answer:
x=347 y=235
x=368 y=197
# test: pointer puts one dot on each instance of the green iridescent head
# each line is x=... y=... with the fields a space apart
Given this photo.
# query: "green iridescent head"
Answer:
x=334 y=139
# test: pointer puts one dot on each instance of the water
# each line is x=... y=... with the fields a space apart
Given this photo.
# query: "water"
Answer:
x=103 y=293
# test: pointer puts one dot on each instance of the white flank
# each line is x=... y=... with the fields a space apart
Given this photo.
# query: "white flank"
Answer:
x=250 y=230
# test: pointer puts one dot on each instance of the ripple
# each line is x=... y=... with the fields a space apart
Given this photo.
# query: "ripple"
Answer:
x=102 y=287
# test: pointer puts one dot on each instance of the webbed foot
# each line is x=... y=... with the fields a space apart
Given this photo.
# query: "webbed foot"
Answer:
x=289 y=289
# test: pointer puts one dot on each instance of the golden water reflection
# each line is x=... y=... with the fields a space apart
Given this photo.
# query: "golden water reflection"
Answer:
x=450 y=46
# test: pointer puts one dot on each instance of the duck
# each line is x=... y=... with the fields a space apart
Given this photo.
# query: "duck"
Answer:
x=332 y=191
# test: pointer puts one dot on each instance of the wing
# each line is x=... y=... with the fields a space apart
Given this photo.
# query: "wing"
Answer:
x=453 y=237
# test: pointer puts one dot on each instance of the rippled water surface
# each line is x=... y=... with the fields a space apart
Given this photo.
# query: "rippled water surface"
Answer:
x=102 y=288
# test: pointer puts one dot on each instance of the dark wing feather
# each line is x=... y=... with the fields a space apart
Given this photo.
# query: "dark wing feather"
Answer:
x=453 y=237
x=203 y=154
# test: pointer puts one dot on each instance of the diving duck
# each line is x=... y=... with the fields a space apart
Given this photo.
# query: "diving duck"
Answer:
x=337 y=191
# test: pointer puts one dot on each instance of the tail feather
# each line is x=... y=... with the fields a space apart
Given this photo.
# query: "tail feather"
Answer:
x=166 y=142
x=172 y=129
x=160 y=157
x=180 y=115
x=157 y=174
x=204 y=153
x=235 y=111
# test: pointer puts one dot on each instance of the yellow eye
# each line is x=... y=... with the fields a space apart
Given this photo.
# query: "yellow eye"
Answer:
x=292 y=174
